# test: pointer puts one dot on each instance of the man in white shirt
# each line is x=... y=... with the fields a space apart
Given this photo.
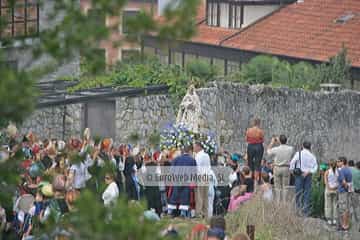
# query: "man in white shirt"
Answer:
x=306 y=161
x=282 y=156
x=202 y=189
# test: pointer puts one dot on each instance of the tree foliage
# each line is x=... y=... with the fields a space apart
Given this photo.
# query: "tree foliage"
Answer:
x=75 y=32
x=270 y=70
x=337 y=70
x=201 y=71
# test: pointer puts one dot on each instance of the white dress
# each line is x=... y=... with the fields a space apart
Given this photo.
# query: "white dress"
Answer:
x=110 y=194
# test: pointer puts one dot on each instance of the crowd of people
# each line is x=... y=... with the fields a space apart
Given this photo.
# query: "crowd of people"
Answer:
x=54 y=173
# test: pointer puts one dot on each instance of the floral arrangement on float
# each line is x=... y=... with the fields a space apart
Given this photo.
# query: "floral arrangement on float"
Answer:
x=175 y=136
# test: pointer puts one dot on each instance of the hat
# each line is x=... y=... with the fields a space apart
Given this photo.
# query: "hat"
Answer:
x=106 y=143
x=47 y=190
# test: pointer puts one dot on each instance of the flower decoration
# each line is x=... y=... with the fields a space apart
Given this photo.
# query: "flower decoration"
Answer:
x=177 y=136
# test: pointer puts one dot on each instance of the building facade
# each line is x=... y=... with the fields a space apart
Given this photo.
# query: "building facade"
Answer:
x=231 y=32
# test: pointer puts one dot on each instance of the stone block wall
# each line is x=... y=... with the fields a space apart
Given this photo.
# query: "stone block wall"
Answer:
x=330 y=121
x=142 y=116
x=55 y=122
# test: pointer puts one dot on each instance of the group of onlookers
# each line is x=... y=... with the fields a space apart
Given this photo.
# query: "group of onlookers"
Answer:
x=341 y=179
x=110 y=171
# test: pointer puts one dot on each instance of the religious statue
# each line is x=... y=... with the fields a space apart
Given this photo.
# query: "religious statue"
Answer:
x=190 y=111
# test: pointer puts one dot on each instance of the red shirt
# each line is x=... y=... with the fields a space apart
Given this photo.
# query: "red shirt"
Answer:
x=254 y=135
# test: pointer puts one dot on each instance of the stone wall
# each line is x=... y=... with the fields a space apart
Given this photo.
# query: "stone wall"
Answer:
x=140 y=115
x=330 y=121
x=55 y=122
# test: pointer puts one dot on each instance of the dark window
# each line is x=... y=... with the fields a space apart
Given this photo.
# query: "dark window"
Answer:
x=235 y=16
x=213 y=13
x=20 y=19
x=232 y=67
x=223 y=14
x=177 y=58
x=129 y=53
x=163 y=56
x=127 y=16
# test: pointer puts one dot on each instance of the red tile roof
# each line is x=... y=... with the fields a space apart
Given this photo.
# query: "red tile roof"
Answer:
x=305 y=30
x=211 y=35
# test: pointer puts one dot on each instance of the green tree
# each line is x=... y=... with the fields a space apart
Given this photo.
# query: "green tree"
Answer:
x=74 y=33
x=201 y=71
x=337 y=70
x=259 y=70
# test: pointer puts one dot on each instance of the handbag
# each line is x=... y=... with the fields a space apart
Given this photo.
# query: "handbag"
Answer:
x=297 y=170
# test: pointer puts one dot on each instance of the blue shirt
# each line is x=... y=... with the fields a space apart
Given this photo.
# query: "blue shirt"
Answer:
x=344 y=174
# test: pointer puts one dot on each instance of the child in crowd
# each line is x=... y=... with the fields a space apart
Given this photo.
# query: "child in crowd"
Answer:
x=266 y=189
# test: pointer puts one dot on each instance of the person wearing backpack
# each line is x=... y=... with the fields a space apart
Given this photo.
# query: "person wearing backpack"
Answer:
x=303 y=166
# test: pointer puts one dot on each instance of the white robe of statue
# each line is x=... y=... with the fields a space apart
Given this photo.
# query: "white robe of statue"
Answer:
x=190 y=111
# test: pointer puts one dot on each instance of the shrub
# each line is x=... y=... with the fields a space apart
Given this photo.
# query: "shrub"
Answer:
x=201 y=70
x=337 y=70
x=259 y=70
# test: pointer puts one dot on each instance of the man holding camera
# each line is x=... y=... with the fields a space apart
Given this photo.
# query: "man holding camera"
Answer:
x=303 y=165
x=282 y=155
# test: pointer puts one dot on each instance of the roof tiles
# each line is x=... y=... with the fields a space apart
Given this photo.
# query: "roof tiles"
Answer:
x=305 y=30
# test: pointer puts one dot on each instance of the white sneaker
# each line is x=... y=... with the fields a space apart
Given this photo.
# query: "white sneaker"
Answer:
x=334 y=222
x=329 y=222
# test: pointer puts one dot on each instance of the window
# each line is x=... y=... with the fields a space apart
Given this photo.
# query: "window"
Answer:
x=212 y=14
x=177 y=58
x=128 y=15
x=220 y=65
x=163 y=56
x=224 y=15
x=232 y=67
x=129 y=53
x=205 y=59
x=149 y=51
x=235 y=16
x=189 y=57
x=20 y=19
